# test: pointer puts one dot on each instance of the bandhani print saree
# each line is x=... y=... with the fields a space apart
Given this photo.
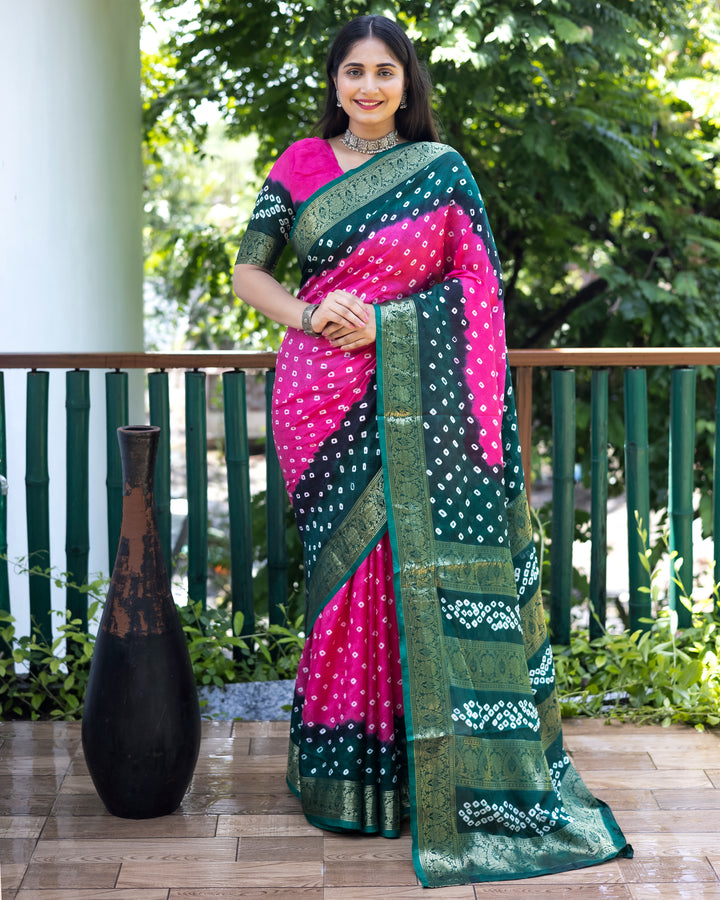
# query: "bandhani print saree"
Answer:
x=426 y=685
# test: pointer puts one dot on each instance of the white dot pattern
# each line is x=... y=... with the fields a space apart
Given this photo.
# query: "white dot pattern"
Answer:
x=505 y=715
x=510 y=818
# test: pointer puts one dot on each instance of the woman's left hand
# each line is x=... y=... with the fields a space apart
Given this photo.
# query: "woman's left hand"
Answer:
x=351 y=338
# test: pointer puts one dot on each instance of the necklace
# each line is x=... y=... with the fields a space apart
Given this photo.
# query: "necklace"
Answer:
x=360 y=145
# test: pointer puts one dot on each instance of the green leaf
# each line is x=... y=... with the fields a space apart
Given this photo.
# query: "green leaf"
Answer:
x=568 y=31
x=691 y=673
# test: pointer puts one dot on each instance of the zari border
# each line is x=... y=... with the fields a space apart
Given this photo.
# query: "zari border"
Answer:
x=326 y=802
x=335 y=202
x=348 y=546
x=384 y=313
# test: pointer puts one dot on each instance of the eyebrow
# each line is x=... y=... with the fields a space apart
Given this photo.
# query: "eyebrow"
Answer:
x=359 y=65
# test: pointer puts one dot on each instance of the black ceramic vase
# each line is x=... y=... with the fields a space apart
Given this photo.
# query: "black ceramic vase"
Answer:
x=141 y=719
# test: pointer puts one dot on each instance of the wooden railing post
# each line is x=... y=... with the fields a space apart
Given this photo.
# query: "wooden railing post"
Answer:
x=562 y=528
x=77 y=531
x=637 y=489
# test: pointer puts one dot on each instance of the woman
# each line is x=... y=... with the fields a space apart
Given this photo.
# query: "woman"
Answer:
x=426 y=684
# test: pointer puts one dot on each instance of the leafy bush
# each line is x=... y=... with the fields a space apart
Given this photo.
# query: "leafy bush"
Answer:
x=54 y=685
x=660 y=675
x=219 y=655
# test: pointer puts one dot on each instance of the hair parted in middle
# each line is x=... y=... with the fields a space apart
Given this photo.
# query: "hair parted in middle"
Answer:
x=415 y=122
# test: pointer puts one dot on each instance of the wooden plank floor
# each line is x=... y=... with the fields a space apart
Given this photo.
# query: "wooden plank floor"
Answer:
x=240 y=834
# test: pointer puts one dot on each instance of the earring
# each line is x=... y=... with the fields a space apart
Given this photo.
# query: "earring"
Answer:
x=338 y=98
x=403 y=100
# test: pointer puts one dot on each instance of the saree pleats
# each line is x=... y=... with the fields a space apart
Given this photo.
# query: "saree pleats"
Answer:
x=347 y=757
x=426 y=684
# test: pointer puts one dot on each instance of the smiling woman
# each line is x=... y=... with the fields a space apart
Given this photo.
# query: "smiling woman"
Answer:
x=370 y=88
x=426 y=685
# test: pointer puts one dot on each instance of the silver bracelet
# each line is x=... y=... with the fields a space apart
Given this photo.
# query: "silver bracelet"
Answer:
x=306 y=320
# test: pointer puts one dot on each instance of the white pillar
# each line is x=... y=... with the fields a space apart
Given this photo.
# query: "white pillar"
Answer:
x=70 y=229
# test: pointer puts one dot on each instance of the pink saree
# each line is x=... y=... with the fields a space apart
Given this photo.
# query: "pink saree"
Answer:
x=426 y=686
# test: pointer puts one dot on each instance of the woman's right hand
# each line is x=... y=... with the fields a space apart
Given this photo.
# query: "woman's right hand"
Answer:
x=338 y=311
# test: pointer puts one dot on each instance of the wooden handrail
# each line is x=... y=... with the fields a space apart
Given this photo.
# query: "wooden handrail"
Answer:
x=614 y=356
x=194 y=359
x=265 y=359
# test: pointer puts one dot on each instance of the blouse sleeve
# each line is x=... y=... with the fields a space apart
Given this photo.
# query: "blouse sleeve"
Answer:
x=271 y=222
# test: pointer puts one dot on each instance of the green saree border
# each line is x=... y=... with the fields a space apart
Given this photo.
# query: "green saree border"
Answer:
x=340 y=558
x=382 y=313
x=326 y=802
x=334 y=203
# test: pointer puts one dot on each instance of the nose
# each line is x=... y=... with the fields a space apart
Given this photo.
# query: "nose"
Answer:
x=369 y=83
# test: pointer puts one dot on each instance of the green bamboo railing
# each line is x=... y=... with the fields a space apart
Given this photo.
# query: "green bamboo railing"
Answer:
x=159 y=402
x=276 y=527
x=237 y=458
x=77 y=531
x=562 y=362
x=562 y=528
x=197 y=484
x=716 y=493
x=4 y=574
x=116 y=415
x=637 y=494
x=680 y=489
x=598 y=500
x=37 y=502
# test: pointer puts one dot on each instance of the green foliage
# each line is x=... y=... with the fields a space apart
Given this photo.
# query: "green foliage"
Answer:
x=221 y=654
x=660 y=675
x=57 y=672
x=573 y=116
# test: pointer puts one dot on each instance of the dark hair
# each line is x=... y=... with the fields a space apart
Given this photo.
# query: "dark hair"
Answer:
x=415 y=123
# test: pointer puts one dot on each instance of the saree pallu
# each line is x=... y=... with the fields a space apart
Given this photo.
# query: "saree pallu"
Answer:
x=427 y=682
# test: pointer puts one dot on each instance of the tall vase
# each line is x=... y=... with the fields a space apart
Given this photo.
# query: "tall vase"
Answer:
x=141 y=719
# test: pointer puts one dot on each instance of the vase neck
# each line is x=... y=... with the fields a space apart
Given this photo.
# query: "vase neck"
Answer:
x=138 y=453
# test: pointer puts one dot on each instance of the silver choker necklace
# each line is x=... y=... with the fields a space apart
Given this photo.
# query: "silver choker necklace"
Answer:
x=360 y=145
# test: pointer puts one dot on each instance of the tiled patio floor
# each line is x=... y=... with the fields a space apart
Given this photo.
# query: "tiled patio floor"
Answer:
x=240 y=834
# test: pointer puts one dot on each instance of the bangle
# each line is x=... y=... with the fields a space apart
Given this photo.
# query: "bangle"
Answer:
x=306 y=320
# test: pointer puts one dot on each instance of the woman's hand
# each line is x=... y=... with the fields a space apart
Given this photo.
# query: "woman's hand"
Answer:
x=341 y=316
x=345 y=321
x=351 y=338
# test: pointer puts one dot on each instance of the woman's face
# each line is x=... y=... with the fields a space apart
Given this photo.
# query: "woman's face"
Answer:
x=370 y=83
